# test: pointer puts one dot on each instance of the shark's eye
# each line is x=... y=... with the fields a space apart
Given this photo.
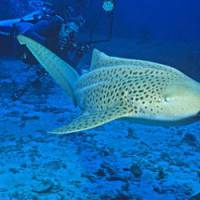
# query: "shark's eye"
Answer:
x=167 y=99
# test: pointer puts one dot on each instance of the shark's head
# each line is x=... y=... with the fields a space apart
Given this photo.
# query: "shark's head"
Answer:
x=181 y=101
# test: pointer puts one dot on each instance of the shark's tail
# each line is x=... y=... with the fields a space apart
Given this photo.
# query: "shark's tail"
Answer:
x=61 y=72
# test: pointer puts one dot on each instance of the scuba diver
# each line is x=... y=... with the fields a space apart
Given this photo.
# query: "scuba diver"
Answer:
x=43 y=27
x=57 y=26
x=54 y=28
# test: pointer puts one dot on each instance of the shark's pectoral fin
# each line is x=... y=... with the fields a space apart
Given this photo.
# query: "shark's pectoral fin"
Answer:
x=90 y=120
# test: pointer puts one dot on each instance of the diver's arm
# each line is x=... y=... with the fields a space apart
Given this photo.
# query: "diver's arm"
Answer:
x=38 y=31
x=35 y=36
x=34 y=17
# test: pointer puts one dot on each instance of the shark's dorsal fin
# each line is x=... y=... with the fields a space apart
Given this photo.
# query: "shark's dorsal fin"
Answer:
x=102 y=60
x=99 y=59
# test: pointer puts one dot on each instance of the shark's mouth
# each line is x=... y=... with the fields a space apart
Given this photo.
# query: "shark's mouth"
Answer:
x=191 y=119
x=197 y=116
x=167 y=123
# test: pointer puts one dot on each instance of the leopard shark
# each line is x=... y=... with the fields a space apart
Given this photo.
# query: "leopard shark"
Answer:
x=121 y=88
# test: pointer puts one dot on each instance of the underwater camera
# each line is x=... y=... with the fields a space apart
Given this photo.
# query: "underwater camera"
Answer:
x=108 y=5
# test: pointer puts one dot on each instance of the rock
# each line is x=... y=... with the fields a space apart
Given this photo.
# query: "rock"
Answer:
x=22 y=195
x=119 y=196
x=198 y=175
x=13 y=114
x=26 y=118
x=61 y=120
x=44 y=187
x=195 y=197
x=52 y=197
x=89 y=177
x=122 y=197
x=158 y=188
x=100 y=173
x=161 y=174
x=165 y=157
x=55 y=165
x=117 y=178
x=190 y=139
x=108 y=169
x=136 y=170
x=14 y=170
x=131 y=134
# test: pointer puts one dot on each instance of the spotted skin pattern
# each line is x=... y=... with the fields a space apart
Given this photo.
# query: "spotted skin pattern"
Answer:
x=136 y=89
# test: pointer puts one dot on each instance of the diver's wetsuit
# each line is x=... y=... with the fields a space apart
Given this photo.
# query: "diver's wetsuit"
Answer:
x=45 y=31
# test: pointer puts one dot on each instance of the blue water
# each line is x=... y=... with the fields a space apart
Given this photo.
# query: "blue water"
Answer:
x=120 y=160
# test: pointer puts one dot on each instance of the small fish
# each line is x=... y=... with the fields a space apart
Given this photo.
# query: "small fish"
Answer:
x=121 y=88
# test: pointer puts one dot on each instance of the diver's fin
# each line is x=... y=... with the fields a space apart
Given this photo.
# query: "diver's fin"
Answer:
x=88 y=120
x=61 y=72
